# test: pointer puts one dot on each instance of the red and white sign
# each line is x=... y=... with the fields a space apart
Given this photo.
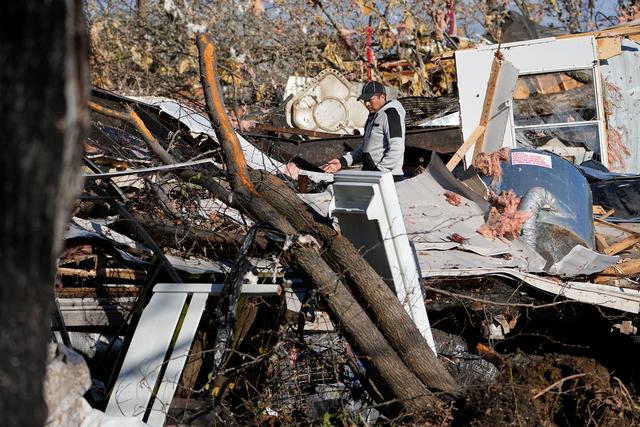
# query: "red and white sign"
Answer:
x=533 y=159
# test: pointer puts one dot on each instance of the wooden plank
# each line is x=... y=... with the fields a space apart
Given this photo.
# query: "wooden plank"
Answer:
x=627 y=268
x=295 y=131
x=622 y=245
x=616 y=226
x=488 y=98
x=601 y=243
x=111 y=273
x=178 y=358
x=459 y=155
x=608 y=214
x=608 y=47
x=598 y=210
x=610 y=32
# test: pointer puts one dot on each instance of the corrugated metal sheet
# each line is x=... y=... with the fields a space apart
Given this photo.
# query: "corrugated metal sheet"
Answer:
x=430 y=221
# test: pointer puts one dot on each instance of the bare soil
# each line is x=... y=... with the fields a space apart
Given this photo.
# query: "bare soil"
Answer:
x=553 y=390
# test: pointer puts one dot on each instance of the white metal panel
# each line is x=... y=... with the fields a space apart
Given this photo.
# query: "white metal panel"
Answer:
x=621 y=82
x=498 y=132
x=582 y=261
x=430 y=221
x=152 y=339
x=133 y=388
x=473 y=67
x=216 y=288
x=623 y=299
x=178 y=358
x=367 y=208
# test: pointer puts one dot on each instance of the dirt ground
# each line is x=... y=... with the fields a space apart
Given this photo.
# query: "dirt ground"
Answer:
x=550 y=390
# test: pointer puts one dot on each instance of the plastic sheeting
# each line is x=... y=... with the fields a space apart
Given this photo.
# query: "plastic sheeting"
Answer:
x=620 y=192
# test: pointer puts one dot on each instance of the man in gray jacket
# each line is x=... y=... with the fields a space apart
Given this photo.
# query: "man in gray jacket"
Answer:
x=382 y=148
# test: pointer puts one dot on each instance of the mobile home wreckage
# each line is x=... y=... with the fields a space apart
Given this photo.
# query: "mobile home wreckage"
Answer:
x=206 y=269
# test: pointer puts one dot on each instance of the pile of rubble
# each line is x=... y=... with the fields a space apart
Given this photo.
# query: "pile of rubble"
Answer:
x=193 y=304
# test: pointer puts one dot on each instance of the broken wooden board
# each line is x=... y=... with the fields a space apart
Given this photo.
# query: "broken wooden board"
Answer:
x=616 y=226
x=598 y=210
x=496 y=110
x=601 y=243
x=622 y=245
x=627 y=268
x=608 y=47
x=459 y=155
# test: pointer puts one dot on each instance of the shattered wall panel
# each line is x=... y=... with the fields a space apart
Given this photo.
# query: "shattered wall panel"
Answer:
x=530 y=57
x=622 y=107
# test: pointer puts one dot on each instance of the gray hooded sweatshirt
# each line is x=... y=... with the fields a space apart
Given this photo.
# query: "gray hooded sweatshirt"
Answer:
x=383 y=146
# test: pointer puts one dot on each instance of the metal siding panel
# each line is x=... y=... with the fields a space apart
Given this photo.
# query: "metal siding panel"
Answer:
x=621 y=87
x=177 y=360
x=139 y=372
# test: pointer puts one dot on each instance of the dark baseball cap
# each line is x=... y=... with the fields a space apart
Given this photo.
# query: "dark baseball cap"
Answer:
x=369 y=89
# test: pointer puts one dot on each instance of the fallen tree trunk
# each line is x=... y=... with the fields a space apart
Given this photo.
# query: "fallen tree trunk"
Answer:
x=386 y=310
x=216 y=240
x=390 y=374
x=395 y=381
x=384 y=360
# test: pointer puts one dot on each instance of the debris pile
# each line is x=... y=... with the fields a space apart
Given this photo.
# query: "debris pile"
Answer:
x=218 y=245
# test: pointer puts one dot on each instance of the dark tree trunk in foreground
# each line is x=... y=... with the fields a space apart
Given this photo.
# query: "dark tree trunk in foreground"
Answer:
x=42 y=103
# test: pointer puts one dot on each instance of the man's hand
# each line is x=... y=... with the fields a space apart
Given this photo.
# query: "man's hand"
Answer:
x=332 y=166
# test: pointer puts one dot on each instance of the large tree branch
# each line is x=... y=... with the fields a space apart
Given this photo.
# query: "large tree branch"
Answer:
x=384 y=363
x=388 y=314
x=386 y=367
x=221 y=124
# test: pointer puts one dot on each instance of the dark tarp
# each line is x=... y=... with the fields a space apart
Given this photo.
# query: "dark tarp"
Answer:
x=620 y=192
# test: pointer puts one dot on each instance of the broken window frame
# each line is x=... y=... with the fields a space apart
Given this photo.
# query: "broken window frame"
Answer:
x=546 y=55
x=599 y=107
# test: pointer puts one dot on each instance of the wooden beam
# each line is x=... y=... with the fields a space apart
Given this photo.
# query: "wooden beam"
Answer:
x=627 y=268
x=488 y=98
x=616 y=226
x=601 y=243
x=609 y=47
x=295 y=131
x=475 y=135
x=622 y=245
x=610 y=32
x=607 y=215
x=111 y=273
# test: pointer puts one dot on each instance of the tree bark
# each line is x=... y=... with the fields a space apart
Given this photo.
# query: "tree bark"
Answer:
x=382 y=303
x=43 y=82
x=218 y=241
x=386 y=368
x=385 y=363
